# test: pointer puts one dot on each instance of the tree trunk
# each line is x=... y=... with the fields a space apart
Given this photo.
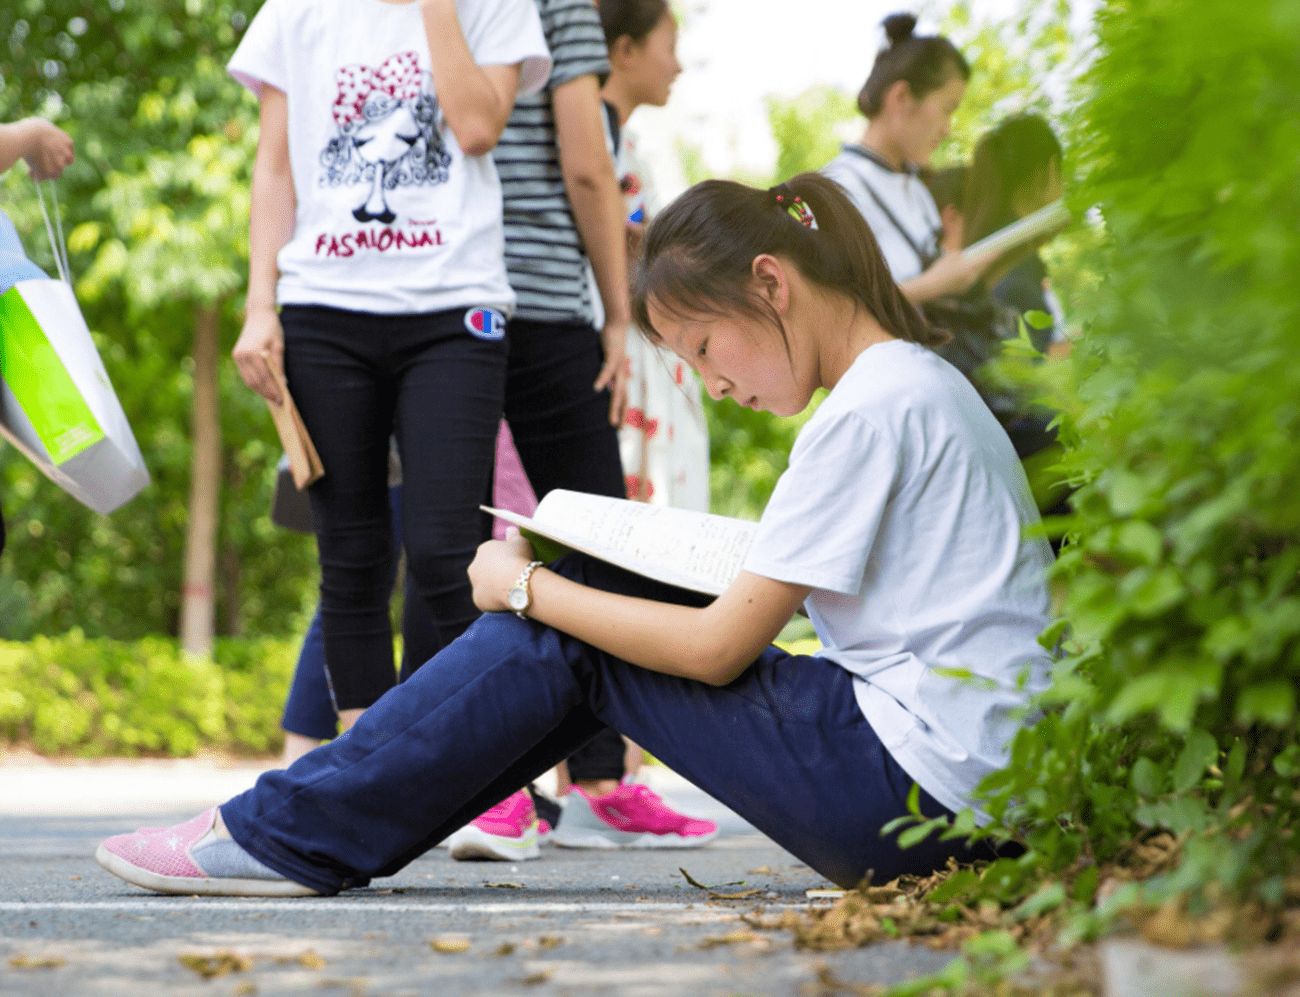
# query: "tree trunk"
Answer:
x=198 y=591
x=230 y=622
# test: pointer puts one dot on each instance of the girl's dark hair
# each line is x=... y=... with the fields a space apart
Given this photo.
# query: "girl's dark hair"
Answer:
x=699 y=251
x=925 y=62
x=1007 y=160
x=634 y=18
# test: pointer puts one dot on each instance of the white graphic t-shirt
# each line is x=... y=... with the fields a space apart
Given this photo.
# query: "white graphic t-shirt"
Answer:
x=930 y=585
x=392 y=217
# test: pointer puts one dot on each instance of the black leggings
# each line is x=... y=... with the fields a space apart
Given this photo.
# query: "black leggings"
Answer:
x=358 y=377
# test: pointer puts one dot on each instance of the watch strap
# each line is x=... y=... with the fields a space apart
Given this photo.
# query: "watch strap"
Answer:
x=522 y=583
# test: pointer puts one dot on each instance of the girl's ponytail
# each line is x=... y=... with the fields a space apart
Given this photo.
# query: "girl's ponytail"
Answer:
x=847 y=258
x=699 y=251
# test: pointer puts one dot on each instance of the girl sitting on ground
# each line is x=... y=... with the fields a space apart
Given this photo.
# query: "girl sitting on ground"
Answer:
x=903 y=525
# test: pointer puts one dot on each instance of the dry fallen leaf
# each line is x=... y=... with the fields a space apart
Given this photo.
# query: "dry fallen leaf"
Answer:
x=505 y=886
x=505 y=948
x=37 y=962
x=731 y=938
x=311 y=959
x=245 y=989
x=533 y=979
x=450 y=945
x=223 y=962
x=715 y=895
x=548 y=941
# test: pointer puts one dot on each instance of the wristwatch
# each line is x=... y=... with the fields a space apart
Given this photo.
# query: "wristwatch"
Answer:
x=519 y=598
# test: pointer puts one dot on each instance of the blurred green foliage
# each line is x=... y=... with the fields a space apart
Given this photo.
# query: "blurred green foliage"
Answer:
x=1182 y=590
x=1173 y=708
x=74 y=695
x=1016 y=64
x=156 y=209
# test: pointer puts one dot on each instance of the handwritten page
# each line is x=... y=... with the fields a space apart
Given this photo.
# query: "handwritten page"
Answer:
x=688 y=549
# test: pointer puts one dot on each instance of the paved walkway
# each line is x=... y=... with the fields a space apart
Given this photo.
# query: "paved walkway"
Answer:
x=571 y=924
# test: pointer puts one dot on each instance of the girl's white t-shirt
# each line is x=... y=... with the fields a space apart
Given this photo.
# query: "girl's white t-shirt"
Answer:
x=392 y=217
x=897 y=206
x=907 y=511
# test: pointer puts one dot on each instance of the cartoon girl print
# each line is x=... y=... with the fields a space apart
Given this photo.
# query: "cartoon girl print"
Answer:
x=390 y=132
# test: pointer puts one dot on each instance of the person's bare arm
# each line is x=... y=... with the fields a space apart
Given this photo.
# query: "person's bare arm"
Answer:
x=598 y=210
x=476 y=100
x=270 y=227
x=714 y=644
x=44 y=145
x=952 y=273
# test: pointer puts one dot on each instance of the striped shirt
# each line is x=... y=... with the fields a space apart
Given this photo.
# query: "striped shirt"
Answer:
x=545 y=259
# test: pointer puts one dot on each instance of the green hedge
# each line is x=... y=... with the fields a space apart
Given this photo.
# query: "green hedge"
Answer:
x=1173 y=724
x=72 y=695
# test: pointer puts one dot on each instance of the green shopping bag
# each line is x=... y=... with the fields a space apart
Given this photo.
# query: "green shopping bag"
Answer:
x=56 y=402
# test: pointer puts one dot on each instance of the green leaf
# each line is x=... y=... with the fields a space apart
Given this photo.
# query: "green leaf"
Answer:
x=1184 y=813
x=1039 y=319
x=1048 y=898
x=914 y=800
x=1236 y=765
x=1199 y=751
x=1141 y=540
x=1287 y=762
x=1085 y=886
x=1268 y=702
x=1051 y=637
x=1146 y=777
x=1161 y=592
x=915 y=835
x=958 y=885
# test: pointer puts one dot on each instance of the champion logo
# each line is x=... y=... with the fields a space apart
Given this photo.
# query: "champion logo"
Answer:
x=486 y=323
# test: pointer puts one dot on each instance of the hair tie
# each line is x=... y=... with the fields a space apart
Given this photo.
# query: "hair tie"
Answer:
x=793 y=205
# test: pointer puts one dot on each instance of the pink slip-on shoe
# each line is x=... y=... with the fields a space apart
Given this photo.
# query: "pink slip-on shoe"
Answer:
x=191 y=858
x=633 y=816
x=505 y=833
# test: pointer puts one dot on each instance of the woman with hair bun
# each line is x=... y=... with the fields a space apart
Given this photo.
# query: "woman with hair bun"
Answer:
x=915 y=86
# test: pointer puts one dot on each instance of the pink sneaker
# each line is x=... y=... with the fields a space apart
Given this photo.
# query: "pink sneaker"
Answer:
x=506 y=833
x=633 y=816
x=190 y=858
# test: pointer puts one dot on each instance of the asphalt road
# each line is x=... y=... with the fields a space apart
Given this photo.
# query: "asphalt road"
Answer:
x=570 y=923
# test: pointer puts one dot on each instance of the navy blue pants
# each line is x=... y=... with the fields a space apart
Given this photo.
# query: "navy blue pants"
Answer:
x=784 y=745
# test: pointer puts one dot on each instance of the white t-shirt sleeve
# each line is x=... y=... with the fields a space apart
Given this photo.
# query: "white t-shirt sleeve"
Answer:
x=260 y=58
x=821 y=522
x=505 y=32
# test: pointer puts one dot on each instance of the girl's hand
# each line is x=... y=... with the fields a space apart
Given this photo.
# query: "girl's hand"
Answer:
x=613 y=374
x=496 y=568
x=954 y=227
x=261 y=337
x=955 y=273
x=634 y=231
x=49 y=149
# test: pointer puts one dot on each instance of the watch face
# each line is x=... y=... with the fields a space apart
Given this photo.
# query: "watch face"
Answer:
x=517 y=599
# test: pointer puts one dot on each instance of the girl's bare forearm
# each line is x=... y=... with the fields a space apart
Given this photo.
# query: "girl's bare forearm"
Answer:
x=475 y=100
x=272 y=213
x=713 y=644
